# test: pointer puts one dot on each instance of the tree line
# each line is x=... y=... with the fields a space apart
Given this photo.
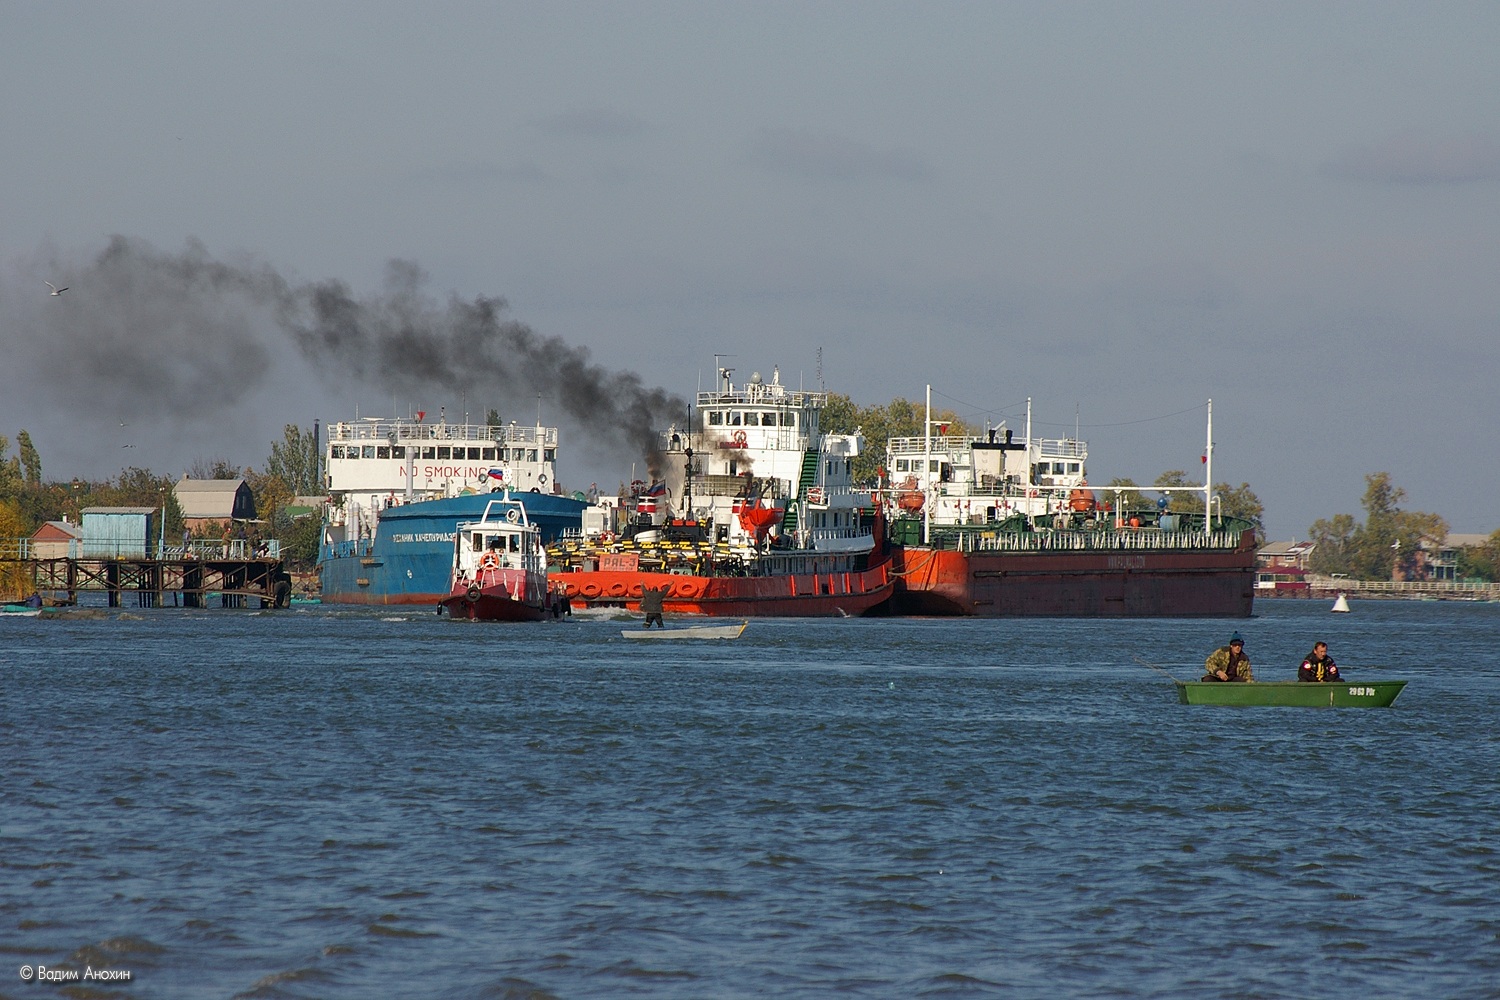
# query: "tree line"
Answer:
x=1389 y=542
x=27 y=500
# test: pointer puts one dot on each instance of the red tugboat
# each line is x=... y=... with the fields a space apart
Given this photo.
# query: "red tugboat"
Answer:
x=499 y=569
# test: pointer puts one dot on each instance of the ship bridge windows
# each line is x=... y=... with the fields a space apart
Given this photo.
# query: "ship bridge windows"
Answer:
x=368 y=451
x=549 y=454
x=903 y=465
x=736 y=418
x=398 y=451
x=715 y=418
x=429 y=453
x=444 y=454
x=488 y=454
x=383 y=451
x=752 y=419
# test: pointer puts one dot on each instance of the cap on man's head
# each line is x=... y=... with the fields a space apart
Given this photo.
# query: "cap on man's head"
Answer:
x=1236 y=638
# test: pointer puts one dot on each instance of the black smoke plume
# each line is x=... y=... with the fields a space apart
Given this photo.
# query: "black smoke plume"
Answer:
x=187 y=334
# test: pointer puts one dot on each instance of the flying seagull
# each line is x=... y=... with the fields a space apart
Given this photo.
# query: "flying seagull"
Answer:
x=55 y=289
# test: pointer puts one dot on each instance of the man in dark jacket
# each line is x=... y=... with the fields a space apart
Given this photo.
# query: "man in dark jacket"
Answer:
x=1229 y=663
x=1319 y=666
x=651 y=604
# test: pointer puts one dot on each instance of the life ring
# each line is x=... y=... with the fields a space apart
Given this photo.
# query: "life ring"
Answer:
x=617 y=589
x=590 y=590
x=740 y=439
x=473 y=592
x=1031 y=493
x=512 y=515
x=489 y=561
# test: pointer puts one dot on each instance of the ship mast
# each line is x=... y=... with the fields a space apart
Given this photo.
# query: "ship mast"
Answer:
x=927 y=468
x=1208 y=470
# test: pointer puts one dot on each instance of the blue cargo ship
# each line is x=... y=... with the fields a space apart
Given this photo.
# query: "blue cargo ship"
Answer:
x=410 y=557
x=399 y=488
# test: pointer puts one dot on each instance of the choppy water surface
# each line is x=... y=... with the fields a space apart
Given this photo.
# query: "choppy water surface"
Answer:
x=335 y=803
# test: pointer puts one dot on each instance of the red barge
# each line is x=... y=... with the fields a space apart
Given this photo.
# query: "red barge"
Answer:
x=987 y=525
x=1143 y=572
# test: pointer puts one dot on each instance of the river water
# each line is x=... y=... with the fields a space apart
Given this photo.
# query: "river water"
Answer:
x=343 y=803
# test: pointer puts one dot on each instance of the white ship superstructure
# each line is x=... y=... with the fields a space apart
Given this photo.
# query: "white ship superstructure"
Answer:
x=374 y=463
x=984 y=479
x=758 y=475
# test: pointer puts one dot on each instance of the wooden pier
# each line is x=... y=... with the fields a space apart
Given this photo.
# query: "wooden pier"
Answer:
x=188 y=582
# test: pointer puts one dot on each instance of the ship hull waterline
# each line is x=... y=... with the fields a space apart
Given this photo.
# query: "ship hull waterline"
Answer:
x=1151 y=584
x=799 y=595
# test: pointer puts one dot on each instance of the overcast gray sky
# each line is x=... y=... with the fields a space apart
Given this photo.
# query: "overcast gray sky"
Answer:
x=1120 y=210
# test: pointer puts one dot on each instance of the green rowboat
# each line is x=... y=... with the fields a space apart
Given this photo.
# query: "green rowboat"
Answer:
x=1294 y=694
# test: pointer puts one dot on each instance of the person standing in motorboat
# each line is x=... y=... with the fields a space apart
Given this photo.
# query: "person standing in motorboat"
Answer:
x=1319 y=666
x=1229 y=663
x=651 y=599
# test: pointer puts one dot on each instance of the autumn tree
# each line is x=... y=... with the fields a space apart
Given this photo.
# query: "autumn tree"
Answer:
x=295 y=461
x=1385 y=545
x=1480 y=562
x=1237 y=501
x=30 y=461
x=898 y=418
x=1333 y=545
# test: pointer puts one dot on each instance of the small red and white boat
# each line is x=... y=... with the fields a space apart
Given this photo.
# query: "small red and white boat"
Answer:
x=500 y=569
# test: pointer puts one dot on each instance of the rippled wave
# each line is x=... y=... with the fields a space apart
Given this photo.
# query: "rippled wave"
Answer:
x=345 y=803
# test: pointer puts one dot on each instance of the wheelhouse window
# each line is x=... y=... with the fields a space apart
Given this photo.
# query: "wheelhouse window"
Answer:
x=444 y=453
x=368 y=451
x=715 y=418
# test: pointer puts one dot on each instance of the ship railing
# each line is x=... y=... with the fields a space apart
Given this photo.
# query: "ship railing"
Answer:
x=349 y=549
x=761 y=395
x=912 y=447
x=405 y=430
x=1097 y=541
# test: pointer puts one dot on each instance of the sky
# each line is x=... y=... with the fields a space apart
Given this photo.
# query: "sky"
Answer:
x=281 y=213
